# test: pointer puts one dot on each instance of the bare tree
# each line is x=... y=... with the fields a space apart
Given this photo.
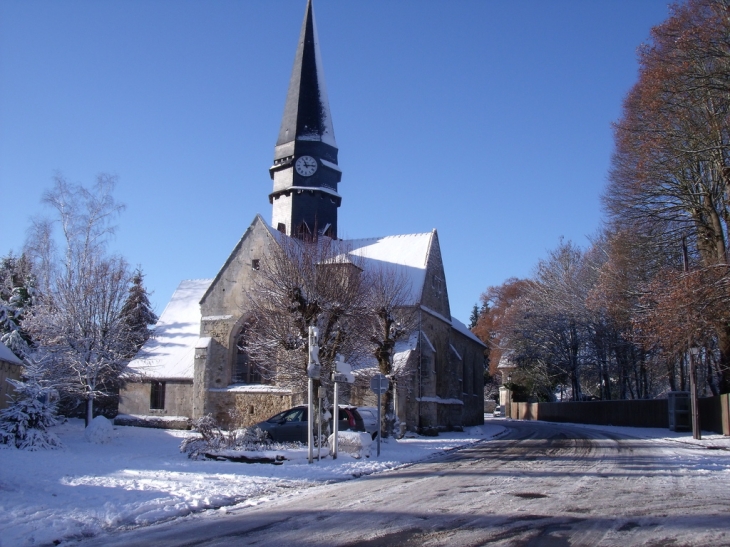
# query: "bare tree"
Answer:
x=671 y=168
x=390 y=320
x=304 y=284
x=77 y=324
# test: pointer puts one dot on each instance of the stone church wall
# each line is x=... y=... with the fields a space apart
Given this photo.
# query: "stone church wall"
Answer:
x=135 y=399
x=471 y=370
x=224 y=309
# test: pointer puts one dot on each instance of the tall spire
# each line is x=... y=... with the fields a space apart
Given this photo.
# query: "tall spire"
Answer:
x=307 y=111
x=305 y=170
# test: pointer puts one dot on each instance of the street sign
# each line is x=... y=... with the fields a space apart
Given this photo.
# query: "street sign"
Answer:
x=379 y=384
x=313 y=367
x=343 y=372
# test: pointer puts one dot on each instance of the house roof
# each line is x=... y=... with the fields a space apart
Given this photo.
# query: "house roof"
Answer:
x=8 y=356
x=170 y=352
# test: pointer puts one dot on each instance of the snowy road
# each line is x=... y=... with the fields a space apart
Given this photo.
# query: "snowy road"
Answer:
x=539 y=484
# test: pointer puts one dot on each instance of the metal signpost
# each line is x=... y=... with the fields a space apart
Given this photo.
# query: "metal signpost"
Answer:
x=342 y=373
x=313 y=372
x=696 y=429
x=320 y=396
x=379 y=385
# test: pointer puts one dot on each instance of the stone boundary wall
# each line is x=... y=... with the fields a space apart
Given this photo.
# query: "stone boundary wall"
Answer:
x=251 y=407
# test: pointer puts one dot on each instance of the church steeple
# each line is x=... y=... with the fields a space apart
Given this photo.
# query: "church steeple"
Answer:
x=305 y=171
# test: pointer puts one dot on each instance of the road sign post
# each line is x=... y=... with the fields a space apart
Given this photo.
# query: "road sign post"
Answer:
x=379 y=384
x=320 y=397
x=342 y=373
x=313 y=372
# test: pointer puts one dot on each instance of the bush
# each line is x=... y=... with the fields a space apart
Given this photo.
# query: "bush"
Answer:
x=212 y=438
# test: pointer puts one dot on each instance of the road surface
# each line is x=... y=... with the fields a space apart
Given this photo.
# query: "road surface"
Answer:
x=539 y=484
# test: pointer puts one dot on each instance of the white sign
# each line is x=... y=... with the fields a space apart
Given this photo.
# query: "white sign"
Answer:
x=343 y=371
x=313 y=367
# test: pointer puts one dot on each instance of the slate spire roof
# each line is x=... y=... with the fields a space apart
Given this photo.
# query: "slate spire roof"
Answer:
x=307 y=112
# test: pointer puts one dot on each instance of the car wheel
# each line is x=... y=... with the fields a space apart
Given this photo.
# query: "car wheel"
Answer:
x=375 y=435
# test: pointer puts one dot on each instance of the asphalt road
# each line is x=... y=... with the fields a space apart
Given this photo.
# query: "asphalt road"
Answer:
x=540 y=484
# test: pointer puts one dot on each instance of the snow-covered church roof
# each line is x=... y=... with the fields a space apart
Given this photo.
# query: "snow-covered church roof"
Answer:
x=171 y=350
x=406 y=255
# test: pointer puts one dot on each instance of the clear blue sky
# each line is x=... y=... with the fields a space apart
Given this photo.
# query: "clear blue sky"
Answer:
x=487 y=120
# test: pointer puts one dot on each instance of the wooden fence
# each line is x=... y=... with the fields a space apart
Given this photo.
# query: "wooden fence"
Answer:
x=714 y=413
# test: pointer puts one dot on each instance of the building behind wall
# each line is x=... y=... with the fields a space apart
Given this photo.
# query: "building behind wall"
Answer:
x=11 y=368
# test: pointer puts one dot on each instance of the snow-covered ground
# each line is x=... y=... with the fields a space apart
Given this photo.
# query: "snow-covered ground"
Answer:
x=140 y=477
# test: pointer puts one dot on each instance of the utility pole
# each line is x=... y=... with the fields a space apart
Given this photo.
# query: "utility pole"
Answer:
x=693 y=353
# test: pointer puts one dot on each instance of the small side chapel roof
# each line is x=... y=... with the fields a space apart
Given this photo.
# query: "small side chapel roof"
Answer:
x=170 y=352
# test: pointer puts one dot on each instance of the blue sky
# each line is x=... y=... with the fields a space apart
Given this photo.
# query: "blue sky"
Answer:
x=487 y=120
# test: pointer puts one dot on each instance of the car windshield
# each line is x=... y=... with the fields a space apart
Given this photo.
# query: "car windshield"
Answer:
x=279 y=417
x=296 y=415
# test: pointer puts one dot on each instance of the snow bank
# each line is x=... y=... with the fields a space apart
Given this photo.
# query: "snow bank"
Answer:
x=99 y=431
x=354 y=443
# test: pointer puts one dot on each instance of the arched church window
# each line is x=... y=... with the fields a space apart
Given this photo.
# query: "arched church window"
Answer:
x=244 y=371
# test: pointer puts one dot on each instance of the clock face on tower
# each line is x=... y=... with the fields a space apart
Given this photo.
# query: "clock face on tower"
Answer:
x=306 y=166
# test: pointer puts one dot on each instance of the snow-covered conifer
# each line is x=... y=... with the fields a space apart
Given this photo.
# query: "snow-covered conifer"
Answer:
x=137 y=312
x=24 y=424
x=17 y=286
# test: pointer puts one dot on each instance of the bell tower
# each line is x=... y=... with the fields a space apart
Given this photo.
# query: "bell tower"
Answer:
x=305 y=171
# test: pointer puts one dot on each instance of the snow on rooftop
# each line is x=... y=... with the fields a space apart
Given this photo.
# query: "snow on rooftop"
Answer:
x=406 y=254
x=8 y=356
x=403 y=350
x=463 y=329
x=253 y=388
x=171 y=350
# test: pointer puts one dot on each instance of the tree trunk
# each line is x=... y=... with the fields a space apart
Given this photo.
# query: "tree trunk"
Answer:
x=89 y=410
x=387 y=413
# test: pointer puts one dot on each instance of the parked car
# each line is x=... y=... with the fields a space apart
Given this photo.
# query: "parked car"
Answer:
x=291 y=425
x=370 y=419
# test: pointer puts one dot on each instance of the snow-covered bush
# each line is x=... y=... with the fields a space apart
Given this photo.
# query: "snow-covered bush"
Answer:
x=355 y=443
x=212 y=438
x=24 y=424
x=99 y=431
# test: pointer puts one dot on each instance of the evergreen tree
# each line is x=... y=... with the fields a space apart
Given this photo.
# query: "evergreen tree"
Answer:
x=474 y=317
x=17 y=286
x=137 y=312
x=24 y=424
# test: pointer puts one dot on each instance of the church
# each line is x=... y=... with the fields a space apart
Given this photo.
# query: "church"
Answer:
x=195 y=363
